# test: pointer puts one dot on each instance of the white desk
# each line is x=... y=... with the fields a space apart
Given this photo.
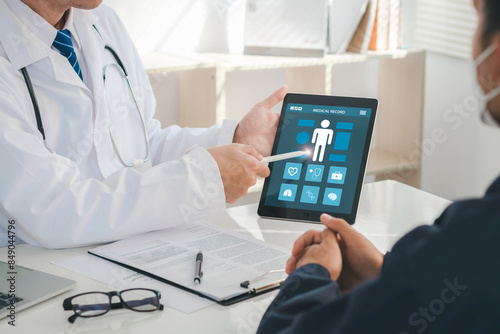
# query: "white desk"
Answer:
x=387 y=210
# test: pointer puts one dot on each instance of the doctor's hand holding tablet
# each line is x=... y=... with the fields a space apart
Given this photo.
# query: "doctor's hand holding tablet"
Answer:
x=253 y=139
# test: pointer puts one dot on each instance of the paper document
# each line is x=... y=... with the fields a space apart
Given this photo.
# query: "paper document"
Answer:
x=121 y=278
x=228 y=258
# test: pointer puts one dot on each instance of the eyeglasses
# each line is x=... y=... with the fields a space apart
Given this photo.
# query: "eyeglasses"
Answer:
x=94 y=304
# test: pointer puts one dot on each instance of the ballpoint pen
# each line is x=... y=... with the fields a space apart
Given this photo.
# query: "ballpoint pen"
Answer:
x=197 y=268
x=284 y=156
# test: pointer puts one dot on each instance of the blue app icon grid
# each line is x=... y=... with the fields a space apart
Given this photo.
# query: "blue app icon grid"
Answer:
x=345 y=150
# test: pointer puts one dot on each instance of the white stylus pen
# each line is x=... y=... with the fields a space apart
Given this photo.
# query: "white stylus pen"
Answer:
x=284 y=156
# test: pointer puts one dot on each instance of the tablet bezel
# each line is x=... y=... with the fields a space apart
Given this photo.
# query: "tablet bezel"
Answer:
x=323 y=100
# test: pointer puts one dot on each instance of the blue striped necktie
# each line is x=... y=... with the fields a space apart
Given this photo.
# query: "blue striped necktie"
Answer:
x=64 y=45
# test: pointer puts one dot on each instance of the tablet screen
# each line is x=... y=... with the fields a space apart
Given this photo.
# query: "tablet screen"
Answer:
x=336 y=133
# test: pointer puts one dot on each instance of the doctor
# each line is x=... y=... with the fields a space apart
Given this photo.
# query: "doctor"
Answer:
x=83 y=159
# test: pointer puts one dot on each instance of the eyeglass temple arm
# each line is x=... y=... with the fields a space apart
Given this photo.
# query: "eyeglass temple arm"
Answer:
x=73 y=318
x=67 y=304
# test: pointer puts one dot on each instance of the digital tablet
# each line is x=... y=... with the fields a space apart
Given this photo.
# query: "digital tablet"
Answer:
x=336 y=132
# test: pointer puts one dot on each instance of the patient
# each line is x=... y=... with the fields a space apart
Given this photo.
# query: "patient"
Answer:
x=437 y=279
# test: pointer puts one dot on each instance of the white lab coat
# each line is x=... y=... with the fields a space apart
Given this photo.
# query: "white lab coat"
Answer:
x=83 y=194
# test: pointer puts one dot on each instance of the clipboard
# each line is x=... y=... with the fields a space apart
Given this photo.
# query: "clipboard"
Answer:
x=230 y=259
x=244 y=296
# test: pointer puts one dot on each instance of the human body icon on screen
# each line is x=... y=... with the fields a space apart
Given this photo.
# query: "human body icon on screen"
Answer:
x=322 y=137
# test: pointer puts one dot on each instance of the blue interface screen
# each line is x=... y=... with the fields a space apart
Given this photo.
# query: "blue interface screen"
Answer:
x=324 y=180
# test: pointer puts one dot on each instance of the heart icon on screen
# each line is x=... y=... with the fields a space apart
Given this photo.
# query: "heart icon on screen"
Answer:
x=292 y=171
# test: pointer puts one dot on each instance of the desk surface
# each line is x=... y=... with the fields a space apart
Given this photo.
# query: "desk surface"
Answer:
x=387 y=210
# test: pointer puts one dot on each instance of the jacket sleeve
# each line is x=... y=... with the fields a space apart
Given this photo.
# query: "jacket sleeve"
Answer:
x=162 y=139
x=310 y=302
x=307 y=287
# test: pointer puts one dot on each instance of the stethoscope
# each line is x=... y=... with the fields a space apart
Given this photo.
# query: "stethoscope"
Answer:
x=121 y=68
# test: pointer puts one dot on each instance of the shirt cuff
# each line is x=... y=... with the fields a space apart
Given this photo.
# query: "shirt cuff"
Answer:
x=312 y=269
x=226 y=132
x=212 y=179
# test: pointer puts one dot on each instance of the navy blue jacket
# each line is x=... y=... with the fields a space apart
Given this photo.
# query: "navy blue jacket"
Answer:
x=443 y=278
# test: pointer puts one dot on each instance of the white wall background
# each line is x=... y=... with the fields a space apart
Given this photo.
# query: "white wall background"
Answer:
x=462 y=166
x=469 y=159
x=183 y=25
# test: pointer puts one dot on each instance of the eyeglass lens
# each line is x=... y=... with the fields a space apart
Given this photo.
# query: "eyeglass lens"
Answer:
x=140 y=300
x=91 y=304
x=97 y=303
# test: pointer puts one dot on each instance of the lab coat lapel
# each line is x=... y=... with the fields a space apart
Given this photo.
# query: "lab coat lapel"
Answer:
x=64 y=73
x=24 y=48
x=93 y=47
x=93 y=50
x=21 y=44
